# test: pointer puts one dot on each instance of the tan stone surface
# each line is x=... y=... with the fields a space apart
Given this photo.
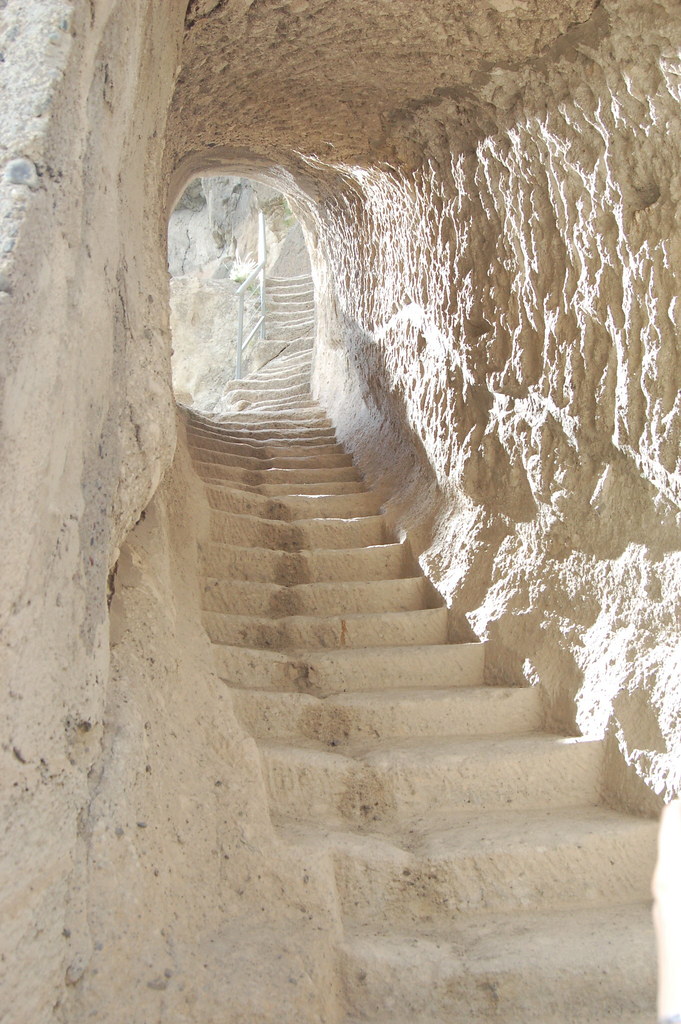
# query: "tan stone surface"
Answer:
x=203 y=323
x=87 y=431
x=520 y=364
x=212 y=245
x=338 y=77
x=500 y=335
x=194 y=904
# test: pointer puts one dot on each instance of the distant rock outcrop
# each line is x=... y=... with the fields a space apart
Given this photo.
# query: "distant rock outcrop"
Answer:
x=212 y=244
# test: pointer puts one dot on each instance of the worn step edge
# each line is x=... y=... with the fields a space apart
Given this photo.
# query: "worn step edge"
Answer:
x=255 y=411
x=267 y=433
x=379 y=562
x=242 y=530
x=307 y=490
x=293 y=508
x=253 y=387
x=218 y=470
x=412 y=782
x=273 y=379
x=379 y=715
x=289 y=419
x=324 y=598
x=609 y=967
x=355 y=670
x=264 y=449
x=482 y=863
x=298 y=440
x=328 y=632
x=205 y=450
x=544 y=968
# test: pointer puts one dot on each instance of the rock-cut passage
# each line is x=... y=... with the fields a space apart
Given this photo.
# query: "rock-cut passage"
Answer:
x=478 y=875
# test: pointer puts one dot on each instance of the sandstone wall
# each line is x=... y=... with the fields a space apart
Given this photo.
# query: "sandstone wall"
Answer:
x=501 y=349
x=215 y=225
x=87 y=431
x=203 y=321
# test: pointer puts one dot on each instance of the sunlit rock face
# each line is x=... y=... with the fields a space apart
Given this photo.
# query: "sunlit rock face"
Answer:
x=213 y=229
x=510 y=317
x=212 y=246
x=492 y=192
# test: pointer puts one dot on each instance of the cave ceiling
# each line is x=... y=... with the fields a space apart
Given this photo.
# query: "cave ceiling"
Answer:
x=338 y=78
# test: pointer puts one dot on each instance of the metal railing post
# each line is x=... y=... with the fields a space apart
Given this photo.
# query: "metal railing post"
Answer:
x=240 y=335
x=262 y=260
x=257 y=273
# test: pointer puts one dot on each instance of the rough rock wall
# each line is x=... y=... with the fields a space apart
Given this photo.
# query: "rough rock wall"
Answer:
x=344 y=79
x=506 y=327
x=215 y=225
x=203 y=322
x=87 y=430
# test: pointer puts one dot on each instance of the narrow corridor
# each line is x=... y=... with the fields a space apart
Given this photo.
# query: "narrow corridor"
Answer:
x=478 y=875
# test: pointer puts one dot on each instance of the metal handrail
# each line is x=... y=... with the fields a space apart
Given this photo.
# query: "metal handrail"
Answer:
x=258 y=271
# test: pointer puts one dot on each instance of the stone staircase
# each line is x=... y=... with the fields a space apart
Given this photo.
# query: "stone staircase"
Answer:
x=290 y=321
x=290 y=307
x=479 y=877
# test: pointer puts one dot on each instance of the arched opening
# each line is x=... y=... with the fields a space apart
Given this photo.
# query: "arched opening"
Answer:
x=214 y=241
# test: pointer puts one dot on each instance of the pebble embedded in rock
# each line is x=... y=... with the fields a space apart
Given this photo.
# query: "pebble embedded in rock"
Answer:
x=158 y=984
x=22 y=172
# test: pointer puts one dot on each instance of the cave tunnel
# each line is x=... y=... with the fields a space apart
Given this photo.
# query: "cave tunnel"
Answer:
x=488 y=192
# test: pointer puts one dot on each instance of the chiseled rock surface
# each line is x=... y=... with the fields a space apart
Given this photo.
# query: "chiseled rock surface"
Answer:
x=339 y=77
x=194 y=904
x=215 y=223
x=203 y=322
x=520 y=366
x=87 y=431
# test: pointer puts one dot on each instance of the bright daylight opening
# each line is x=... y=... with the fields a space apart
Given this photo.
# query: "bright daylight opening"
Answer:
x=234 y=242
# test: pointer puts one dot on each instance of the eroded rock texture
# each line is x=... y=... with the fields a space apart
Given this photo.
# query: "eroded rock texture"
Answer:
x=87 y=431
x=523 y=346
x=324 y=76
